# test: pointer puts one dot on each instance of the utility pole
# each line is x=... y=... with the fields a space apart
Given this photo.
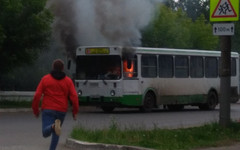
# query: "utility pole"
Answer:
x=226 y=12
x=225 y=80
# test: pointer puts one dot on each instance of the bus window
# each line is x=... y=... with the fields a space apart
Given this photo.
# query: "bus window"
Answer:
x=196 y=67
x=130 y=67
x=165 y=66
x=98 y=67
x=233 y=67
x=211 y=67
x=181 y=67
x=149 y=66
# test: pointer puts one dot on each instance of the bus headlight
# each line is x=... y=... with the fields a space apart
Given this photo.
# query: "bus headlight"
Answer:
x=79 y=92
x=112 y=93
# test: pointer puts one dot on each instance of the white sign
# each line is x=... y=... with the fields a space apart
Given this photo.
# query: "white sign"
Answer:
x=223 y=29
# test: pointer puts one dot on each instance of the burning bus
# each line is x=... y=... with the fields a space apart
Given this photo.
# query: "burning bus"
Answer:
x=103 y=75
x=146 y=78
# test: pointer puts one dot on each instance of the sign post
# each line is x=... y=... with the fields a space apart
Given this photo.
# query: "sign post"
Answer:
x=224 y=11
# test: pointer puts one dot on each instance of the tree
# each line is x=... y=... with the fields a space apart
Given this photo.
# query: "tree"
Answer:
x=174 y=29
x=193 y=8
x=168 y=29
x=25 y=29
x=202 y=36
x=236 y=38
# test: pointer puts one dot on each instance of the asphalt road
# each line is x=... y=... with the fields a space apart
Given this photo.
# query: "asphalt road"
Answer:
x=22 y=131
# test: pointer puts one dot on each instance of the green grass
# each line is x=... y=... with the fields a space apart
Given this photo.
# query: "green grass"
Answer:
x=210 y=135
x=15 y=104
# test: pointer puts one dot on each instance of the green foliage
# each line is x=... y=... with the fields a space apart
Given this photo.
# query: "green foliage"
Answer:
x=2 y=36
x=174 y=29
x=193 y=8
x=202 y=36
x=236 y=38
x=15 y=104
x=27 y=77
x=163 y=139
x=24 y=78
x=167 y=30
x=25 y=29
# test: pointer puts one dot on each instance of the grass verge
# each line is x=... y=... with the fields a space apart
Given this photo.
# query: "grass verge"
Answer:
x=15 y=104
x=210 y=135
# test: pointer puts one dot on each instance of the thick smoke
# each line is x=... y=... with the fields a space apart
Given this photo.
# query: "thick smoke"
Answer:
x=100 y=22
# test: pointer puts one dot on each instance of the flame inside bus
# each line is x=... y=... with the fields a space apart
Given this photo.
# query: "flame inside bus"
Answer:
x=128 y=70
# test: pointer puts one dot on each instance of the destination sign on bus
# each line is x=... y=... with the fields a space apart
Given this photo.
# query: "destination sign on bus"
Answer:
x=97 y=51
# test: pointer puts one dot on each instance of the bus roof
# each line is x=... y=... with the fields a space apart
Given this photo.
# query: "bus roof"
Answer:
x=193 y=52
x=164 y=51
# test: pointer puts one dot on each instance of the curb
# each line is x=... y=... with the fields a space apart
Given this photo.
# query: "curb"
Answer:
x=7 y=110
x=79 y=145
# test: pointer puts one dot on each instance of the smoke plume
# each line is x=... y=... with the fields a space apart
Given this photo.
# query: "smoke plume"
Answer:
x=100 y=22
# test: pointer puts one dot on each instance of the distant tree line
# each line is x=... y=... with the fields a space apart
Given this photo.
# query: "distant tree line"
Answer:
x=25 y=31
x=173 y=28
x=185 y=24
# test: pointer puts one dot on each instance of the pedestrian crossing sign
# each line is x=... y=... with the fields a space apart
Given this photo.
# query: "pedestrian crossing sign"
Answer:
x=224 y=10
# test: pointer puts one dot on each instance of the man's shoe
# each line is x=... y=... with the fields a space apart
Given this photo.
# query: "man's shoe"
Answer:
x=57 y=127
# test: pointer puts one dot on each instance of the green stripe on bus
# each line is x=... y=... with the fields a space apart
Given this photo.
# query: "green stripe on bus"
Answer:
x=128 y=100
x=132 y=100
x=183 y=99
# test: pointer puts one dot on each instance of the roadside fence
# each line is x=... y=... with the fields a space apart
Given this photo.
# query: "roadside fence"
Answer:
x=16 y=95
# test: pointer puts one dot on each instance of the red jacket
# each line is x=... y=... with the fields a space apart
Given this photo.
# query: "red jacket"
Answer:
x=56 y=93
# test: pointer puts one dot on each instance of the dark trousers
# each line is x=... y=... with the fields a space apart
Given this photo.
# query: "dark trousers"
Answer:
x=48 y=119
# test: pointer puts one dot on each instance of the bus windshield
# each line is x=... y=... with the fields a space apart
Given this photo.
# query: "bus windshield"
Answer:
x=98 y=67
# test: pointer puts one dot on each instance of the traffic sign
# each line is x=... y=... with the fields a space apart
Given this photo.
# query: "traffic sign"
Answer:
x=224 y=10
x=223 y=29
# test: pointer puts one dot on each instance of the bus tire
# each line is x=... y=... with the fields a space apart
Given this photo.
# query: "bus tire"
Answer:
x=148 y=103
x=107 y=109
x=212 y=102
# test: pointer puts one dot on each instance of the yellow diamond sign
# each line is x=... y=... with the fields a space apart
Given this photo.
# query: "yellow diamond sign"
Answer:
x=224 y=10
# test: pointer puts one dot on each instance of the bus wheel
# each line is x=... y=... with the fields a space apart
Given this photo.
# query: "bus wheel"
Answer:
x=149 y=102
x=107 y=109
x=212 y=102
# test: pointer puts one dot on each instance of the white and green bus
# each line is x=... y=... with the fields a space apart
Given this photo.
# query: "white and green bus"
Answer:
x=147 y=78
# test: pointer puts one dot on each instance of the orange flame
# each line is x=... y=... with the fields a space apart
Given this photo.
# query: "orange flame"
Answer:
x=129 y=72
